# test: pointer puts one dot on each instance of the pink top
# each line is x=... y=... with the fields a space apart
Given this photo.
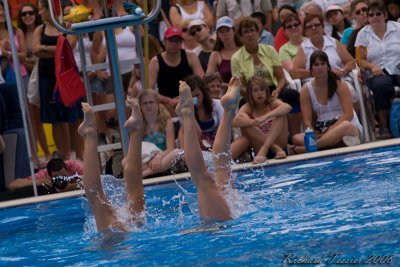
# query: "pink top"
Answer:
x=23 y=70
x=73 y=167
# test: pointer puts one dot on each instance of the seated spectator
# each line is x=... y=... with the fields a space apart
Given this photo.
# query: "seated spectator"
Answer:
x=189 y=43
x=393 y=7
x=334 y=15
x=171 y=66
x=359 y=9
x=281 y=37
x=237 y=10
x=254 y=59
x=226 y=44
x=348 y=13
x=158 y=129
x=340 y=60
x=202 y=34
x=56 y=167
x=327 y=96
x=191 y=10
x=265 y=36
x=312 y=8
x=377 y=54
x=208 y=114
x=288 y=51
x=263 y=120
x=213 y=82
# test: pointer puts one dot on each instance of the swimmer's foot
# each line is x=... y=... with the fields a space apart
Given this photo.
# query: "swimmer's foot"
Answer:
x=231 y=99
x=135 y=121
x=259 y=159
x=185 y=104
x=280 y=155
x=88 y=126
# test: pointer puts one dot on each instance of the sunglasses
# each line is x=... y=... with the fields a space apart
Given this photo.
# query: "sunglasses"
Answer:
x=30 y=13
x=295 y=25
x=362 y=10
x=375 y=14
x=195 y=30
x=312 y=26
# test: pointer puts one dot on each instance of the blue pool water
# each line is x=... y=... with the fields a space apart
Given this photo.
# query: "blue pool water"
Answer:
x=349 y=204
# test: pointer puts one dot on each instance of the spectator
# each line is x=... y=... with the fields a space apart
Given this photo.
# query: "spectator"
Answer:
x=334 y=15
x=171 y=66
x=359 y=8
x=159 y=130
x=393 y=7
x=226 y=45
x=327 y=96
x=54 y=177
x=44 y=47
x=201 y=33
x=263 y=120
x=281 y=37
x=377 y=53
x=288 y=51
x=265 y=36
x=189 y=43
x=213 y=82
x=208 y=114
x=237 y=10
x=28 y=19
x=312 y=8
x=191 y=10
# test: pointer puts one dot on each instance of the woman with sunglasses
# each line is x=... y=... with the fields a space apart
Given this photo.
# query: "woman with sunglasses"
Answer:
x=327 y=96
x=28 y=19
x=378 y=55
x=294 y=30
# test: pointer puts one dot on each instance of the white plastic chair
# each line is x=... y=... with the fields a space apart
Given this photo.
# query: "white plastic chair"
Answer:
x=294 y=83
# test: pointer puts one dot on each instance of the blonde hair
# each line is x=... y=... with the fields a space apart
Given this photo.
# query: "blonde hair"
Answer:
x=163 y=114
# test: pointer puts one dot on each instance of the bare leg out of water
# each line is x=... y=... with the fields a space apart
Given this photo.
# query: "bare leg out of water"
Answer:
x=212 y=203
x=133 y=161
x=221 y=147
x=99 y=203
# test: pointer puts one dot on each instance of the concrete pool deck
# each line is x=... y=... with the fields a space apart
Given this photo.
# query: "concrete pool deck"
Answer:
x=182 y=176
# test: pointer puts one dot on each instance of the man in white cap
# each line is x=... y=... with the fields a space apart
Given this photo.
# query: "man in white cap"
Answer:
x=171 y=66
x=201 y=33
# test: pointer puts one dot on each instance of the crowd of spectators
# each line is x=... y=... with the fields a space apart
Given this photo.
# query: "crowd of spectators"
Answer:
x=205 y=43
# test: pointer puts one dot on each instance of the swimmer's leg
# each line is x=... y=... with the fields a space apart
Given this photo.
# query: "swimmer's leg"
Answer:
x=222 y=142
x=133 y=161
x=99 y=203
x=212 y=204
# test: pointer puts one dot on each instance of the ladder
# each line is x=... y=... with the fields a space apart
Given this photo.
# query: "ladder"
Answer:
x=108 y=25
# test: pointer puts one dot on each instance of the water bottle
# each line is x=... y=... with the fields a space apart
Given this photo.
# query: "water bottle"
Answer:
x=310 y=141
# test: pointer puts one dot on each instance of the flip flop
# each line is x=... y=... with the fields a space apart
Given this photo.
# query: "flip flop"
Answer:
x=259 y=160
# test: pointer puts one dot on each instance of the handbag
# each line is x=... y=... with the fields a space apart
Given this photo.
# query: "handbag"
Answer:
x=33 y=86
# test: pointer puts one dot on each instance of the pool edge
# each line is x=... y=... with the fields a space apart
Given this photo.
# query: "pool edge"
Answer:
x=181 y=176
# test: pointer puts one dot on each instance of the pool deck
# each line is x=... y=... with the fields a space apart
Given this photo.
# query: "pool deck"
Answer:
x=182 y=176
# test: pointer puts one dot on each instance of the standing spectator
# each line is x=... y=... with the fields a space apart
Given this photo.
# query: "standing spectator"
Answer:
x=265 y=36
x=237 y=10
x=201 y=33
x=172 y=66
x=227 y=43
x=281 y=37
x=191 y=10
x=44 y=47
x=377 y=52
x=28 y=19
x=359 y=8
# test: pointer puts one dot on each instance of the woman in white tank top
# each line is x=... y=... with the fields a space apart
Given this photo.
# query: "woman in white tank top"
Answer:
x=191 y=10
x=329 y=97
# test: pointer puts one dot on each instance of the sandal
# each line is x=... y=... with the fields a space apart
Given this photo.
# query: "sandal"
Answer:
x=259 y=160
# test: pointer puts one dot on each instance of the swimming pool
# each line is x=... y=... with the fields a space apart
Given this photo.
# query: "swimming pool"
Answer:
x=305 y=211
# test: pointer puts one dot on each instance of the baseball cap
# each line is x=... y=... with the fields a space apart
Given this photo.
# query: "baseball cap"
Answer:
x=196 y=22
x=172 y=31
x=332 y=8
x=224 y=21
